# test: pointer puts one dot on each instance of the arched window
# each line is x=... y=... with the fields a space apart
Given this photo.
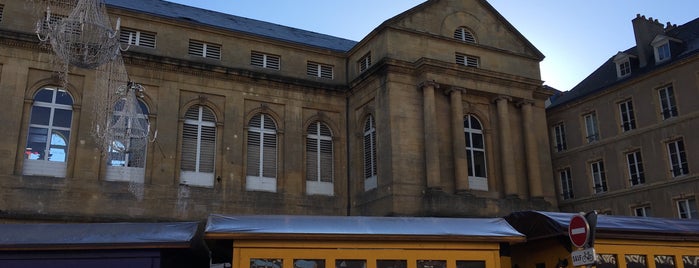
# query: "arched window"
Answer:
x=262 y=154
x=475 y=153
x=464 y=34
x=198 y=147
x=369 y=154
x=126 y=160
x=319 y=159
x=46 y=152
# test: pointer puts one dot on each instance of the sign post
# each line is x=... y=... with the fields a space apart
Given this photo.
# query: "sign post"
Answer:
x=579 y=233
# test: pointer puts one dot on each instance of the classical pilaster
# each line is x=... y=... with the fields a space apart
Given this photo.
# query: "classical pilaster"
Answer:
x=507 y=160
x=458 y=140
x=532 y=150
x=432 y=169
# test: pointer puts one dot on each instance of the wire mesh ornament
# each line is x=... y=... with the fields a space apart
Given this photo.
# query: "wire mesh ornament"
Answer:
x=84 y=39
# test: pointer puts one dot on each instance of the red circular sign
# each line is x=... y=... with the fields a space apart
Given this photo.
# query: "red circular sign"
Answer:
x=579 y=231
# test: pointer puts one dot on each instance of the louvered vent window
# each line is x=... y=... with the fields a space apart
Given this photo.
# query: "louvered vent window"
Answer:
x=54 y=19
x=137 y=37
x=2 y=8
x=319 y=70
x=263 y=60
x=463 y=34
x=262 y=154
x=467 y=60
x=369 y=154
x=198 y=147
x=365 y=62
x=205 y=50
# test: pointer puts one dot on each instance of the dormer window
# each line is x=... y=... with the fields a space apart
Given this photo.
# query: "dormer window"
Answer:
x=623 y=64
x=661 y=47
x=464 y=34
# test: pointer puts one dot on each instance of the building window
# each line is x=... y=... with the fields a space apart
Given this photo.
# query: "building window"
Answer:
x=591 y=127
x=2 y=8
x=668 y=107
x=319 y=159
x=264 y=60
x=463 y=34
x=475 y=153
x=370 y=181
x=599 y=179
x=123 y=162
x=566 y=184
x=364 y=62
x=198 y=147
x=559 y=133
x=624 y=68
x=642 y=211
x=687 y=208
x=467 y=60
x=628 y=119
x=319 y=70
x=678 y=158
x=204 y=50
x=262 y=154
x=635 y=164
x=662 y=52
x=137 y=37
x=50 y=121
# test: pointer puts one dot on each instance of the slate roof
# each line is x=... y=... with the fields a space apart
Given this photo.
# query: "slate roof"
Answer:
x=215 y=19
x=605 y=76
x=542 y=224
x=464 y=229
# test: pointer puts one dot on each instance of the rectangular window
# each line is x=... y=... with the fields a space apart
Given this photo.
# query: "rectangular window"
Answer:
x=364 y=62
x=687 y=209
x=559 y=133
x=642 y=211
x=470 y=264
x=319 y=70
x=599 y=180
x=566 y=184
x=137 y=37
x=350 y=264
x=264 y=60
x=467 y=60
x=591 y=127
x=2 y=8
x=431 y=264
x=606 y=261
x=266 y=263
x=204 y=50
x=636 y=261
x=662 y=52
x=690 y=261
x=628 y=119
x=624 y=68
x=391 y=264
x=665 y=261
x=678 y=158
x=309 y=263
x=668 y=106
x=635 y=164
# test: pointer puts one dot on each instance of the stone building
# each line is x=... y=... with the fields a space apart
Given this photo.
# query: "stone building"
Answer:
x=623 y=139
x=438 y=111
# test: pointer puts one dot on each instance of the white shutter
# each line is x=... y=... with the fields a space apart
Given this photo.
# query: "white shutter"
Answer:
x=146 y=39
x=196 y=48
x=197 y=163
x=467 y=60
x=263 y=60
x=257 y=59
x=213 y=51
x=262 y=154
x=464 y=34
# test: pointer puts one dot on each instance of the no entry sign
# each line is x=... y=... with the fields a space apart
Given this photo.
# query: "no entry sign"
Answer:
x=579 y=231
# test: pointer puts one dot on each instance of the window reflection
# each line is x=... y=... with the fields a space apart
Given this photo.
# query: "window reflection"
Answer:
x=391 y=264
x=309 y=263
x=431 y=264
x=350 y=263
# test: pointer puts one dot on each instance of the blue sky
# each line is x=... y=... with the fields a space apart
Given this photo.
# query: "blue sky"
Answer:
x=576 y=36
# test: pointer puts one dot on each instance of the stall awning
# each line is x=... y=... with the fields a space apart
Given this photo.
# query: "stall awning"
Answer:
x=356 y=227
x=96 y=236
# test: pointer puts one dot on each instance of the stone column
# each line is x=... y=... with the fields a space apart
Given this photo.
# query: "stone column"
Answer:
x=432 y=170
x=507 y=160
x=458 y=139
x=532 y=150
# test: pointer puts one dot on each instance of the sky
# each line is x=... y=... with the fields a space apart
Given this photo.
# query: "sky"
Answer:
x=576 y=36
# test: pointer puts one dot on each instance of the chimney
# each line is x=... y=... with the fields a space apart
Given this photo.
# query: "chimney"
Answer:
x=645 y=31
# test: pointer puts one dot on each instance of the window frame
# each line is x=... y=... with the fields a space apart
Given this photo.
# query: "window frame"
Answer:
x=662 y=51
x=690 y=207
x=599 y=177
x=591 y=127
x=678 y=159
x=467 y=60
x=265 y=60
x=133 y=172
x=645 y=211
x=566 y=184
x=668 y=103
x=206 y=47
x=559 y=137
x=623 y=68
x=634 y=161
x=320 y=70
x=471 y=133
x=137 y=39
x=627 y=115
x=465 y=35
x=201 y=176
x=370 y=156
x=320 y=185
x=364 y=63
x=256 y=175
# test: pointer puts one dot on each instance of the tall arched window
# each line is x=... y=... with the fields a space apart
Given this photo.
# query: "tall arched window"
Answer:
x=198 y=147
x=464 y=34
x=262 y=154
x=319 y=159
x=128 y=164
x=369 y=154
x=475 y=153
x=46 y=152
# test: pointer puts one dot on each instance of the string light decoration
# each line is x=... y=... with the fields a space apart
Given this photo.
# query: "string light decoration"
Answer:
x=85 y=38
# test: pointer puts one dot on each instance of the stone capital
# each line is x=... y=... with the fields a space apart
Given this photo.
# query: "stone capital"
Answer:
x=451 y=90
x=502 y=97
x=525 y=102
x=432 y=84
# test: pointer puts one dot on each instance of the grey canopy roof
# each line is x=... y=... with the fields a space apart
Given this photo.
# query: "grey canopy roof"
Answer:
x=345 y=227
x=97 y=235
x=540 y=224
x=219 y=20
